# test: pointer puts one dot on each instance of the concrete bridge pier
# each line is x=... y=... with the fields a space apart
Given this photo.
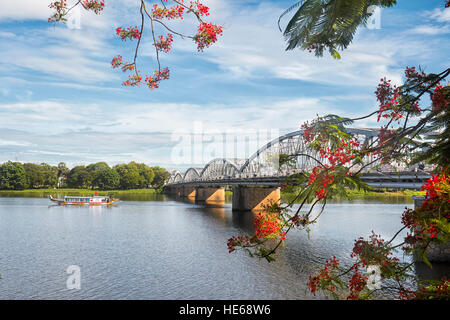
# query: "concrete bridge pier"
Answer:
x=188 y=192
x=210 y=194
x=175 y=191
x=251 y=198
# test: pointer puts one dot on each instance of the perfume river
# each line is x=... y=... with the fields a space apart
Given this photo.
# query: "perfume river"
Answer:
x=157 y=248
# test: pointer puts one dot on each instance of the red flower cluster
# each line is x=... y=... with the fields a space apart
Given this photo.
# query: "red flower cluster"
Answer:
x=206 y=35
x=133 y=80
x=311 y=48
x=433 y=187
x=358 y=283
x=325 y=278
x=117 y=62
x=340 y=155
x=130 y=33
x=153 y=82
x=321 y=175
x=388 y=96
x=96 y=6
x=201 y=9
x=60 y=8
x=268 y=225
x=233 y=242
x=308 y=134
x=373 y=252
x=439 y=100
x=421 y=222
x=164 y=43
x=174 y=12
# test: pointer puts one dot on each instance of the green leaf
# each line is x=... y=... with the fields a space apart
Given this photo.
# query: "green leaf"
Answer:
x=335 y=55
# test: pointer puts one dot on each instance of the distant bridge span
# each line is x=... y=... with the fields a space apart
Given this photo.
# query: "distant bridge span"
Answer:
x=263 y=170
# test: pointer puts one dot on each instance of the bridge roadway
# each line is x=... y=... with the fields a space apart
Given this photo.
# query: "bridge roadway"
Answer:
x=400 y=180
x=253 y=193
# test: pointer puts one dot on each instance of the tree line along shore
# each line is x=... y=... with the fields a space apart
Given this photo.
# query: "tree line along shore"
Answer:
x=133 y=178
x=16 y=176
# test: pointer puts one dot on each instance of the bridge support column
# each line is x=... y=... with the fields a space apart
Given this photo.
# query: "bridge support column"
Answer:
x=210 y=194
x=188 y=192
x=176 y=191
x=246 y=198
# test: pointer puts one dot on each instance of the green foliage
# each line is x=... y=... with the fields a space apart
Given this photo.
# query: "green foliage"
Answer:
x=327 y=24
x=79 y=177
x=161 y=176
x=12 y=176
x=146 y=175
x=129 y=175
x=106 y=179
x=17 y=176
x=35 y=175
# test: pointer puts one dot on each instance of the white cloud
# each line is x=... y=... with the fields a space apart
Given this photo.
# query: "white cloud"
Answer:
x=440 y=15
x=70 y=132
x=24 y=9
x=430 y=30
x=253 y=47
x=14 y=143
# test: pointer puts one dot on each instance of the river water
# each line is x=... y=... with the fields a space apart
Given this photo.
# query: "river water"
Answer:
x=160 y=248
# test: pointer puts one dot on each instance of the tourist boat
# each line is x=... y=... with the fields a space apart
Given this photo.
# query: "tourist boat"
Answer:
x=85 y=201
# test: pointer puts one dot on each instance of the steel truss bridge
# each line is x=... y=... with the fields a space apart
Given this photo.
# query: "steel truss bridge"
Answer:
x=263 y=168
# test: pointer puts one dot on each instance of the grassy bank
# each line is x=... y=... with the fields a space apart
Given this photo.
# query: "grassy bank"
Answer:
x=379 y=193
x=79 y=192
x=351 y=193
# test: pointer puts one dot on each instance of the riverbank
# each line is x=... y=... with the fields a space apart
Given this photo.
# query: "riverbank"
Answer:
x=78 y=192
x=355 y=194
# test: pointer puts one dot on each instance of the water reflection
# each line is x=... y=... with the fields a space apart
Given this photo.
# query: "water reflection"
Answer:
x=170 y=249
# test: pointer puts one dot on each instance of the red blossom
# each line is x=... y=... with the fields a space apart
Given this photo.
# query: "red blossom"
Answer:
x=164 y=43
x=325 y=278
x=206 y=35
x=129 y=33
x=388 y=96
x=199 y=8
x=96 y=6
x=60 y=8
x=153 y=81
x=116 y=62
x=268 y=225
x=438 y=99
x=174 y=12
x=133 y=80
x=357 y=283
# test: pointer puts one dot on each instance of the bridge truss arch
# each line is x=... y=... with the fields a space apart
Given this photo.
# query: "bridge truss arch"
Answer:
x=266 y=161
x=222 y=169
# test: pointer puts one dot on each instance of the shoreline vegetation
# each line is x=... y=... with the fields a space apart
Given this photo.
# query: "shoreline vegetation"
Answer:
x=124 y=176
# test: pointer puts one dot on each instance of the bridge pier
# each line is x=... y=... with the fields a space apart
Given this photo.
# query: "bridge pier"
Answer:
x=210 y=194
x=176 y=191
x=246 y=198
x=188 y=192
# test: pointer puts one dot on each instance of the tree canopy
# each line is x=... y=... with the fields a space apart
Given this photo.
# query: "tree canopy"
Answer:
x=320 y=25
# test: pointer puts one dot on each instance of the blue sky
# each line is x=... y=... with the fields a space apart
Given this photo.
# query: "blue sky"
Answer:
x=60 y=100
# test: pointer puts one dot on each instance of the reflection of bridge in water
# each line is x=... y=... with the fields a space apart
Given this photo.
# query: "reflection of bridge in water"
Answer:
x=256 y=181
